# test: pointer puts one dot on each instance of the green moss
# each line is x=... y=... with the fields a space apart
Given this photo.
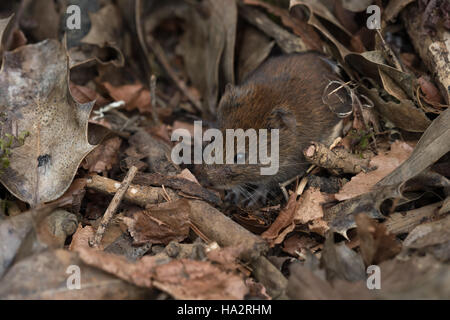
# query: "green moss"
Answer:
x=6 y=144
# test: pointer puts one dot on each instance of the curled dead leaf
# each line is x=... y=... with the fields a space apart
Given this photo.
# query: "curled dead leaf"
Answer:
x=385 y=163
x=35 y=97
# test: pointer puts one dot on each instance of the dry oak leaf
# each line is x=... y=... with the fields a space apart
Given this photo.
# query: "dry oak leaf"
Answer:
x=198 y=280
x=160 y=224
x=310 y=206
x=3 y=25
x=134 y=96
x=385 y=163
x=104 y=157
x=183 y=278
x=35 y=98
x=376 y=243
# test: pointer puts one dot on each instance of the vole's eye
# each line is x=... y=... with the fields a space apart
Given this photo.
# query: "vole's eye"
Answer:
x=239 y=158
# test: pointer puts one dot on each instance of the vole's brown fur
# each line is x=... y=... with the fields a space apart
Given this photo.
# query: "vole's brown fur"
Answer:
x=284 y=93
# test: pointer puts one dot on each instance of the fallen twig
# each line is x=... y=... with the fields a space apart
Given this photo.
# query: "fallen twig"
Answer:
x=336 y=159
x=113 y=206
x=153 y=99
x=177 y=183
x=140 y=195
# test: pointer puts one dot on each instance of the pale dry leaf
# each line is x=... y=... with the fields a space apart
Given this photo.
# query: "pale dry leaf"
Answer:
x=81 y=237
x=202 y=47
x=254 y=48
x=310 y=206
x=36 y=99
x=319 y=226
x=3 y=25
x=186 y=174
x=285 y=218
x=106 y=31
x=376 y=243
x=385 y=162
x=169 y=221
x=433 y=144
x=138 y=273
x=46 y=276
x=46 y=18
x=298 y=243
x=104 y=157
x=134 y=95
x=183 y=278
x=199 y=280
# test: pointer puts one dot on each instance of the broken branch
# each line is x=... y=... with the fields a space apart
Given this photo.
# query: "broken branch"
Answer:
x=113 y=206
x=336 y=159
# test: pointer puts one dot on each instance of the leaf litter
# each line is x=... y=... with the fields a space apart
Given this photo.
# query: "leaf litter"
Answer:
x=313 y=239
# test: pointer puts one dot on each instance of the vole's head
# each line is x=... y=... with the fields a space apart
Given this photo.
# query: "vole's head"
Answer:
x=257 y=116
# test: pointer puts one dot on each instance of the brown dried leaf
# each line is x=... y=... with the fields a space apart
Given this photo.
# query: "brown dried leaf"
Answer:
x=186 y=174
x=284 y=219
x=203 y=44
x=106 y=32
x=229 y=16
x=319 y=226
x=138 y=273
x=306 y=285
x=46 y=17
x=404 y=115
x=160 y=224
x=318 y=9
x=429 y=90
x=288 y=42
x=81 y=237
x=85 y=94
x=385 y=163
x=35 y=97
x=393 y=9
x=183 y=279
x=135 y=96
x=341 y=262
x=104 y=157
x=433 y=144
x=227 y=257
x=253 y=50
x=3 y=25
x=376 y=243
x=45 y=276
x=199 y=280
x=431 y=237
x=18 y=235
x=309 y=206
x=300 y=28
x=298 y=244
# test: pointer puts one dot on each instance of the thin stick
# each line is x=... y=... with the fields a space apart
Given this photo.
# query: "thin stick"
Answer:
x=153 y=98
x=113 y=206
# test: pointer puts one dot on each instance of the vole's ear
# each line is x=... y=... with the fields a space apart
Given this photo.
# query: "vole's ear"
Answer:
x=282 y=118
